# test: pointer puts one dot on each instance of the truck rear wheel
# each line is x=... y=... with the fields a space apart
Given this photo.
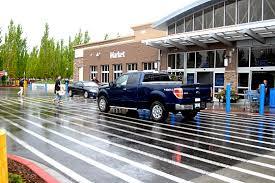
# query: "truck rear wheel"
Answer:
x=158 y=112
x=189 y=114
x=103 y=104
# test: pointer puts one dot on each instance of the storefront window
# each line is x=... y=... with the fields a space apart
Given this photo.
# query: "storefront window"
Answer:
x=243 y=57
x=93 y=71
x=205 y=59
x=208 y=18
x=219 y=79
x=230 y=12
x=198 y=20
x=242 y=11
x=189 y=23
x=148 y=66
x=191 y=60
x=180 y=26
x=190 y=78
x=220 y=55
x=132 y=67
x=105 y=73
x=180 y=61
x=117 y=70
x=171 y=29
x=172 y=61
x=255 y=10
x=219 y=15
x=262 y=57
x=269 y=9
x=243 y=79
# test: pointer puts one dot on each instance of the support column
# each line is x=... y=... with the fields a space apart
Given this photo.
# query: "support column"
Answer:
x=231 y=72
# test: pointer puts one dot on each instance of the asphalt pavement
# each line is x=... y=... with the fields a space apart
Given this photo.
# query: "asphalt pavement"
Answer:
x=85 y=145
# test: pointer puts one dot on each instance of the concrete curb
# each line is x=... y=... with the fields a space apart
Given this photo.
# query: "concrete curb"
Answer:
x=37 y=170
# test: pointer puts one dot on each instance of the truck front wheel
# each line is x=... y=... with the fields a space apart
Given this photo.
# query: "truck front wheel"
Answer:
x=158 y=112
x=103 y=104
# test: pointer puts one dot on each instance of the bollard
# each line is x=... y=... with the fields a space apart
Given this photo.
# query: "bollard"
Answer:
x=172 y=119
x=46 y=89
x=3 y=158
x=262 y=99
x=227 y=96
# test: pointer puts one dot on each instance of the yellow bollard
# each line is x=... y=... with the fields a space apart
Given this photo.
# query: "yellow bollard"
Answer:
x=3 y=158
x=25 y=84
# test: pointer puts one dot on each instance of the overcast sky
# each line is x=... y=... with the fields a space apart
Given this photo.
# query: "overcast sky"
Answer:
x=66 y=17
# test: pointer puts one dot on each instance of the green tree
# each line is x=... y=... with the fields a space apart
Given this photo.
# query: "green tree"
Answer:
x=14 y=53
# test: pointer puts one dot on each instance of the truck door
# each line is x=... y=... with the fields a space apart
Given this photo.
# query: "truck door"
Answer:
x=131 y=93
x=118 y=91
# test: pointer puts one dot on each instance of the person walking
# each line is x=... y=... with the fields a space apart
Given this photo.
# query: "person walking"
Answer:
x=21 y=85
x=57 y=89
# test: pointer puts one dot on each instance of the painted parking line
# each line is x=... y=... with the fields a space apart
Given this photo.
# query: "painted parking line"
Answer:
x=249 y=172
x=187 y=133
x=48 y=159
x=101 y=151
x=214 y=175
x=147 y=136
x=78 y=155
x=213 y=122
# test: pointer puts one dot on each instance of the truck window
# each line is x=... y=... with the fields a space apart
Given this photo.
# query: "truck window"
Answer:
x=122 y=81
x=156 y=77
x=133 y=79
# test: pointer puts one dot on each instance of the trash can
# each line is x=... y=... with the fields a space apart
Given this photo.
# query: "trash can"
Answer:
x=272 y=98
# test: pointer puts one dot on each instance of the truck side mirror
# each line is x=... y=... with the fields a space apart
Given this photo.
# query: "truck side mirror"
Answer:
x=111 y=84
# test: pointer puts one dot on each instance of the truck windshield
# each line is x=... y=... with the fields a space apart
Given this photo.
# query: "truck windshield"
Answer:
x=156 y=77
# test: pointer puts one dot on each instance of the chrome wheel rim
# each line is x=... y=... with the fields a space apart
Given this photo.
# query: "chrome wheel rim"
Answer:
x=102 y=104
x=157 y=112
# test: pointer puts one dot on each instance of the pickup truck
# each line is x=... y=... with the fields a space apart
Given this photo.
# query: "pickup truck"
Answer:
x=156 y=92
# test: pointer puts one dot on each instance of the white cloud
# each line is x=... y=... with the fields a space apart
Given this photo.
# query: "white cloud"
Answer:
x=66 y=17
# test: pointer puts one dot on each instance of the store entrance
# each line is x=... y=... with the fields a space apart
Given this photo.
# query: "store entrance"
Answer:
x=259 y=76
x=205 y=77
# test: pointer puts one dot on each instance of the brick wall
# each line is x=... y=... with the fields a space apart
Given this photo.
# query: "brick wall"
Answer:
x=78 y=62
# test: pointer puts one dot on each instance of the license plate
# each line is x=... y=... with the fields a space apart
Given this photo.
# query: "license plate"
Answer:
x=197 y=105
x=197 y=99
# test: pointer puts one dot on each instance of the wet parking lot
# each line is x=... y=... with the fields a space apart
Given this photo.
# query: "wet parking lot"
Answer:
x=86 y=145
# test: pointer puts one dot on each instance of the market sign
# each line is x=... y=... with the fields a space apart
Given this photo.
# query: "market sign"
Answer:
x=117 y=54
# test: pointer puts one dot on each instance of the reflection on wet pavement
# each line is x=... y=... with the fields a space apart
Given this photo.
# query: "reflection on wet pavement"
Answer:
x=109 y=147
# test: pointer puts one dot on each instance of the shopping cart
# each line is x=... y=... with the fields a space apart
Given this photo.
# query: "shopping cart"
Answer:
x=251 y=100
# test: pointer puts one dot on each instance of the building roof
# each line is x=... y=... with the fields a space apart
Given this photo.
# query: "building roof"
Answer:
x=163 y=23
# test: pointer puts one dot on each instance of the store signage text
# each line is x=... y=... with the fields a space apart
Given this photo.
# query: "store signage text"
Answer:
x=117 y=54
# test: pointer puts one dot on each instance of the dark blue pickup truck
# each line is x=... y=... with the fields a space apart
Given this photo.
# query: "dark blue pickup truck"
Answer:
x=156 y=92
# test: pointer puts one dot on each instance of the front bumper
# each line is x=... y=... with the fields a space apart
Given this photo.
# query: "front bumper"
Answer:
x=92 y=95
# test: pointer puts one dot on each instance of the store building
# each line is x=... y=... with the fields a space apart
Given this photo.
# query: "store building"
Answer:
x=220 y=42
x=107 y=60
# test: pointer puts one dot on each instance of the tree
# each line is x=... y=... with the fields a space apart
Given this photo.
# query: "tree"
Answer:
x=14 y=53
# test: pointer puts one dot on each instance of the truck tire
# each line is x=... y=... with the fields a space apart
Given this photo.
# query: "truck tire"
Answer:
x=158 y=112
x=103 y=104
x=189 y=114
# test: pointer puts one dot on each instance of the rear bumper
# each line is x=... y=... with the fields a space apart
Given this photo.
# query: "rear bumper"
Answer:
x=193 y=106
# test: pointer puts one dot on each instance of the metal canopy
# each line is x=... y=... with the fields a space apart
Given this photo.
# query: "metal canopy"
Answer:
x=225 y=35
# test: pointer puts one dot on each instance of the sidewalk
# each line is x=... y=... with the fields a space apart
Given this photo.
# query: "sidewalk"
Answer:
x=238 y=108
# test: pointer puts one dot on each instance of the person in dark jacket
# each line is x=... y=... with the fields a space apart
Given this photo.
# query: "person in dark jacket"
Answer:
x=267 y=91
x=57 y=89
x=21 y=85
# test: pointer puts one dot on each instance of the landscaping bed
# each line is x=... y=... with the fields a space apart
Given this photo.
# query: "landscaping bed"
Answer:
x=26 y=173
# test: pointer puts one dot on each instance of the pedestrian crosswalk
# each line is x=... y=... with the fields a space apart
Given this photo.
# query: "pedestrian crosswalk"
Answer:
x=89 y=146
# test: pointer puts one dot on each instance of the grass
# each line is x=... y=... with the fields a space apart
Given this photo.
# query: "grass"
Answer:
x=14 y=178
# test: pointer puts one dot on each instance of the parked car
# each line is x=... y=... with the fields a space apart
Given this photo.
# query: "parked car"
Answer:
x=156 y=92
x=87 y=89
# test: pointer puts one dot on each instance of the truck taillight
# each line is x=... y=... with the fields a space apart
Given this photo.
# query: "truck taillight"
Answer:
x=178 y=92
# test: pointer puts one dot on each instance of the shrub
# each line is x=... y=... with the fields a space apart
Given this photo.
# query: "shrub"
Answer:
x=14 y=178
